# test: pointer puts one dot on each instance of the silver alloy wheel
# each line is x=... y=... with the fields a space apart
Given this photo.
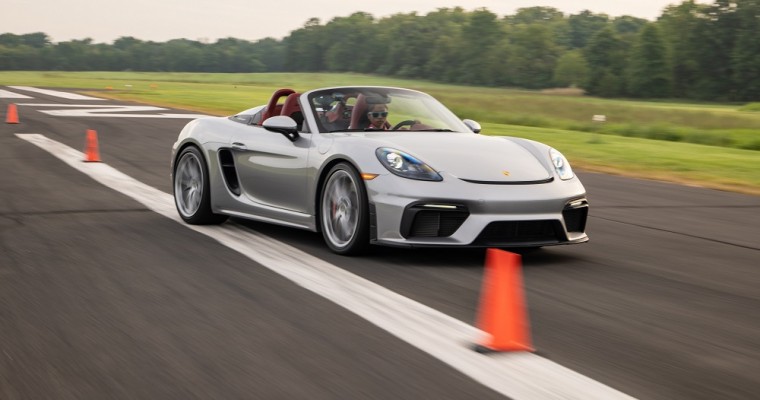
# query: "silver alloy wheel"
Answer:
x=340 y=208
x=188 y=184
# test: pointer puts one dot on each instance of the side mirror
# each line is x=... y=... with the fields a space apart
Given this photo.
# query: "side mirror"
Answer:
x=282 y=124
x=474 y=126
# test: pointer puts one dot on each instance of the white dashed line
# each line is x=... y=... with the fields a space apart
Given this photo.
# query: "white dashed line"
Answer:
x=6 y=94
x=111 y=111
x=55 y=93
x=516 y=375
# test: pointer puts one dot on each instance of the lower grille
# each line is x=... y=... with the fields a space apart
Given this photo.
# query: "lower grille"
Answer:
x=516 y=232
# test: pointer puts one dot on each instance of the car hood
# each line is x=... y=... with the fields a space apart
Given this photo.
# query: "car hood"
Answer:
x=473 y=157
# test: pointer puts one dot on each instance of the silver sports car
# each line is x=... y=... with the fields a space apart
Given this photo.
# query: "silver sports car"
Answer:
x=376 y=165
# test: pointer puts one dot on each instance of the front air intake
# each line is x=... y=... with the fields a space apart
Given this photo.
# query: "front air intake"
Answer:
x=436 y=223
x=428 y=221
x=575 y=215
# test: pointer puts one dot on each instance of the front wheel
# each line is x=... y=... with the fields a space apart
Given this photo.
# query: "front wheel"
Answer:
x=344 y=218
x=192 y=190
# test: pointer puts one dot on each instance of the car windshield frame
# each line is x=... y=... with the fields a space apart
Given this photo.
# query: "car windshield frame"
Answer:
x=331 y=108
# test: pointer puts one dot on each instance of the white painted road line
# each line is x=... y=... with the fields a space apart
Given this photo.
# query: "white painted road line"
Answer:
x=516 y=375
x=55 y=93
x=6 y=94
x=102 y=110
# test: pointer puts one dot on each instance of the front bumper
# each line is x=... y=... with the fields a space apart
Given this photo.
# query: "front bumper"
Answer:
x=453 y=212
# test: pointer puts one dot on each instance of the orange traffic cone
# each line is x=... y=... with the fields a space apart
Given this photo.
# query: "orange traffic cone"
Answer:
x=502 y=313
x=12 y=117
x=91 y=153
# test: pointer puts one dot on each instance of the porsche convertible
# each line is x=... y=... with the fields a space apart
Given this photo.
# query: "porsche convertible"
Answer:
x=376 y=166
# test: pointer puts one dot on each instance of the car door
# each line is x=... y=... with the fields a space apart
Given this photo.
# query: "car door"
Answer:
x=272 y=169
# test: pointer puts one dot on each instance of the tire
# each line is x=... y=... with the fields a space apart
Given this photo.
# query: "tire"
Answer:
x=344 y=216
x=192 y=193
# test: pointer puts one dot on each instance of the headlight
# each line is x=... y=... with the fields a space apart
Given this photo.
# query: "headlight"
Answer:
x=561 y=165
x=404 y=165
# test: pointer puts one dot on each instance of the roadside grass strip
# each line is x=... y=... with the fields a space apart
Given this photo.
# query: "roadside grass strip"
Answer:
x=516 y=375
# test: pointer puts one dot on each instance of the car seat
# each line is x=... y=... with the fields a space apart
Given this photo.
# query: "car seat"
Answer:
x=359 y=118
x=292 y=109
x=272 y=107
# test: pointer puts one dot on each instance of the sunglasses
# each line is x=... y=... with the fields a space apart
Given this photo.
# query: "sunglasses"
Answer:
x=378 y=114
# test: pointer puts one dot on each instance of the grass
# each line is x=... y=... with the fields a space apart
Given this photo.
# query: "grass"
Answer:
x=713 y=145
x=686 y=163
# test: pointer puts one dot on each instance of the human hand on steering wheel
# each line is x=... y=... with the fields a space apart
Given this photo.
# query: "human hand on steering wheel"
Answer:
x=408 y=122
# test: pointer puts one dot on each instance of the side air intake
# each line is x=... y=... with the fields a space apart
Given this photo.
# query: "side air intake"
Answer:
x=229 y=173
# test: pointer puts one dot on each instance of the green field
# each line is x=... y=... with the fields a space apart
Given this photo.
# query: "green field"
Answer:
x=712 y=145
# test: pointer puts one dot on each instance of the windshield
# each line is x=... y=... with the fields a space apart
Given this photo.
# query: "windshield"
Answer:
x=377 y=108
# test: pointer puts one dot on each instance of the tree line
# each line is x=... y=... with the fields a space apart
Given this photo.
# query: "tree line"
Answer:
x=692 y=51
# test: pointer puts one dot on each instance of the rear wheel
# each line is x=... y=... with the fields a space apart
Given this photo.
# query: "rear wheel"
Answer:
x=192 y=190
x=344 y=218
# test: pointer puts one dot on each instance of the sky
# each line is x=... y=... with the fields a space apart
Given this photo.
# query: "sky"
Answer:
x=163 y=20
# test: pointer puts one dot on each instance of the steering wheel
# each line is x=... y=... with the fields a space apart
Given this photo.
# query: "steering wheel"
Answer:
x=408 y=122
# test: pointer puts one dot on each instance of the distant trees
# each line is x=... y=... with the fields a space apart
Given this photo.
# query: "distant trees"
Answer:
x=572 y=70
x=745 y=55
x=606 y=54
x=305 y=48
x=693 y=50
x=680 y=27
x=648 y=73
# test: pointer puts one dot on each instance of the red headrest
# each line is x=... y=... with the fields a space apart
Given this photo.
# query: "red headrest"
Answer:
x=360 y=109
x=291 y=105
x=272 y=109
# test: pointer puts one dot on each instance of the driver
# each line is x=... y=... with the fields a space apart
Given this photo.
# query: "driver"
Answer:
x=378 y=117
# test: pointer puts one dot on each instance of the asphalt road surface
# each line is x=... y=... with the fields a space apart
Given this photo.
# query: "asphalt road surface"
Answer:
x=102 y=298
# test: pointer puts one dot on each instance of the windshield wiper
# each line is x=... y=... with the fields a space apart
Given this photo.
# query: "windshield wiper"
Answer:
x=433 y=130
